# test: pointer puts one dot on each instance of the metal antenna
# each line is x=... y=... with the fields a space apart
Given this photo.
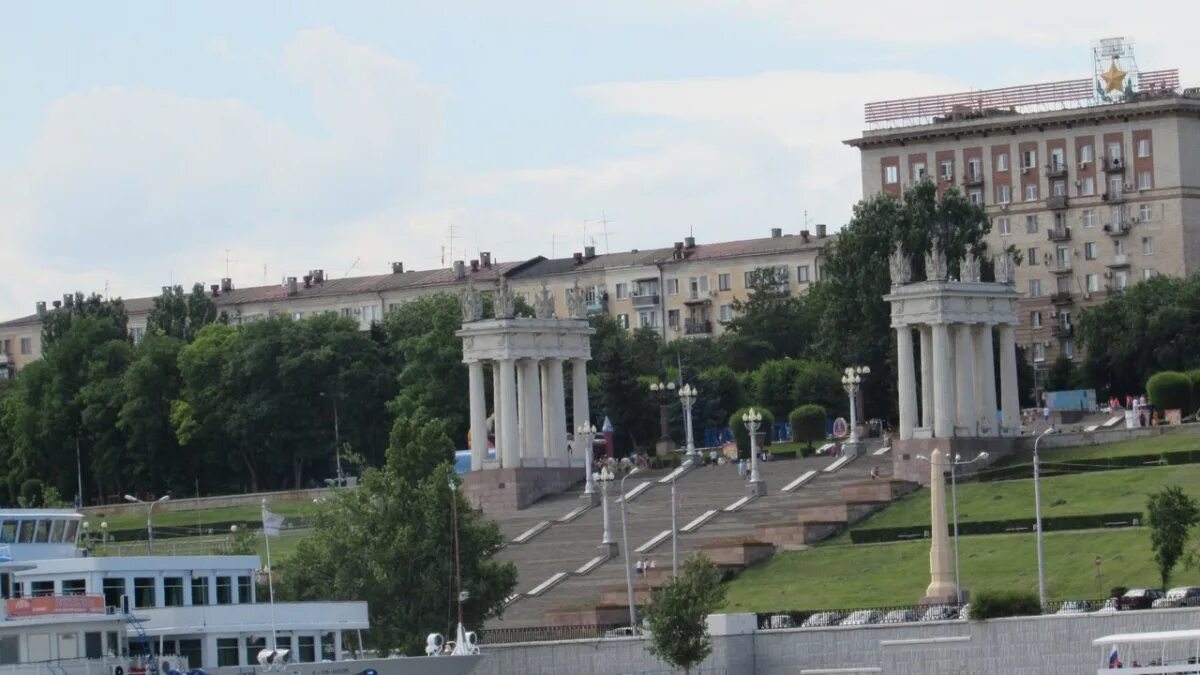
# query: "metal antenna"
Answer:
x=352 y=266
x=605 y=221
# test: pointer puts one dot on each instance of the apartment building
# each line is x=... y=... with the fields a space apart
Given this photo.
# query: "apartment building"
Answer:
x=1095 y=196
x=685 y=290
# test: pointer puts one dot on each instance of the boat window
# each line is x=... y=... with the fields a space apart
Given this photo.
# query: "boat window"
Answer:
x=245 y=590
x=40 y=589
x=113 y=643
x=92 y=645
x=192 y=651
x=10 y=650
x=41 y=534
x=143 y=591
x=307 y=649
x=200 y=592
x=254 y=645
x=56 y=530
x=173 y=591
x=113 y=590
x=74 y=587
x=25 y=535
x=328 y=647
x=227 y=652
x=225 y=592
x=8 y=532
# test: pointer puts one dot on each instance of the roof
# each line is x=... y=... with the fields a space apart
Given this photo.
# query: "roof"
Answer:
x=1157 y=636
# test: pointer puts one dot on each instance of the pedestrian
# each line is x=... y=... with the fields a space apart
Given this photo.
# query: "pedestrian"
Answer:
x=712 y=456
x=640 y=567
x=874 y=472
x=1046 y=414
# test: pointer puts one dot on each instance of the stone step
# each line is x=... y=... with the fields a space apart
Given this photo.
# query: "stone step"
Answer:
x=738 y=504
x=575 y=513
x=547 y=584
x=699 y=521
x=838 y=463
x=636 y=492
x=799 y=482
x=592 y=564
x=678 y=473
x=654 y=541
x=531 y=532
x=882 y=451
x=788 y=535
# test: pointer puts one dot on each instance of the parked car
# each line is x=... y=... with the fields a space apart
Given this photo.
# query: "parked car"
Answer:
x=900 y=616
x=1180 y=596
x=1109 y=606
x=862 y=617
x=623 y=631
x=821 y=620
x=1075 y=607
x=780 y=621
x=1138 y=598
x=940 y=613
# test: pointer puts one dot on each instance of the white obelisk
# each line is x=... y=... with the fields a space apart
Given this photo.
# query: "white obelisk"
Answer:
x=941 y=563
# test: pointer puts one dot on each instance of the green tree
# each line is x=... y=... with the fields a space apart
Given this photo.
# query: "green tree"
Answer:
x=622 y=397
x=742 y=435
x=720 y=393
x=153 y=458
x=1062 y=375
x=775 y=385
x=808 y=424
x=677 y=615
x=1170 y=513
x=1169 y=390
x=432 y=374
x=390 y=543
x=770 y=322
x=182 y=316
x=58 y=321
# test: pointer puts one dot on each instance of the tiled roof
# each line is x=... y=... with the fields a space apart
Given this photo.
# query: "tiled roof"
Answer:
x=763 y=246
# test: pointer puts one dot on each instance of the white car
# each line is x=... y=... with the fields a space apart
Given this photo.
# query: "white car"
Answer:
x=940 y=613
x=900 y=616
x=1180 y=596
x=1075 y=607
x=821 y=620
x=1109 y=606
x=863 y=617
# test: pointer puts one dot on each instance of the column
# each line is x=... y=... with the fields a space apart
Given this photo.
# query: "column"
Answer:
x=943 y=371
x=478 y=415
x=496 y=398
x=579 y=393
x=985 y=378
x=530 y=403
x=941 y=563
x=927 y=377
x=964 y=367
x=507 y=407
x=1009 y=399
x=907 y=382
x=547 y=429
x=522 y=413
x=558 y=416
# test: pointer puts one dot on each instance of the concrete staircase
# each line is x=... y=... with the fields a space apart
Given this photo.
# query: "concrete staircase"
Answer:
x=565 y=553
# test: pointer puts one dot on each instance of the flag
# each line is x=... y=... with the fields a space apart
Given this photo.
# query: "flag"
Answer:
x=1114 y=661
x=272 y=523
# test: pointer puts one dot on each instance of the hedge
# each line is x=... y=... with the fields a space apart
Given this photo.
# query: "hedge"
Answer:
x=1169 y=390
x=743 y=436
x=1054 y=523
x=995 y=604
x=808 y=425
x=1023 y=471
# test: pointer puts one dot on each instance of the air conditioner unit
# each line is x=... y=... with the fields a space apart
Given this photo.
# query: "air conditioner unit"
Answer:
x=1024 y=170
x=1108 y=275
x=1078 y=183
x=1004 y=206
x=1129 y=186
x=712 y=293
x=1083 y=165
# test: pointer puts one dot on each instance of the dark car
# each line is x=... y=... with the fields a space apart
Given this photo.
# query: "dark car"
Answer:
x=1138 y=598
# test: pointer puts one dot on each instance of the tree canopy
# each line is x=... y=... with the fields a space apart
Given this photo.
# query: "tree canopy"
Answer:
x=678 y=613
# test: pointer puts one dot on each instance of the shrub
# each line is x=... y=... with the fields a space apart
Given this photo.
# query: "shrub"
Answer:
x=743 y=436
x=1170 y=389
x=31 y=493
x=808 y=424
x=995 y=604
x=1194 y=376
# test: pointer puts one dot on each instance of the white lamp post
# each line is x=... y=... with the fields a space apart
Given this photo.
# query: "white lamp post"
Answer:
x=851 y=381
x=149 y=517
x=605 y=476
x=625 y=546
x=1037 y=509
x=753 y=420
x=687 y=396
x=584 y=435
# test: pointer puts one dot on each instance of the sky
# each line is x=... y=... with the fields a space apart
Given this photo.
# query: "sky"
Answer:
x=146 y=143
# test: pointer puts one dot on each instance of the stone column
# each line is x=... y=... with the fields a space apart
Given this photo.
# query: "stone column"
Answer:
x=964 y=367
x=985 y=378
x=579 y=393
x=478 y=415
x=496 y=398
x=907 y=384
x=943 y=383
x=1009 y=399
x=547 y=412
x=507 y=408
x=558 y=418
x=927 y=415
x=941 y=562
x=530 y=404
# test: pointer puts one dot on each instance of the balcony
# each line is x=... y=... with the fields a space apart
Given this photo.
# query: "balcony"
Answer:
x=698 y=298
x=1061 y=298
x=695 y=327
x=1113 y=197
x=645 y=301
x=1062 y=233
x=1060 y=267
x=1119 y=229
x=1056 y=171
x=1119 y=260
x=1113 y=164
x=973 y=179
x=1062 y=330
x=1057 y=202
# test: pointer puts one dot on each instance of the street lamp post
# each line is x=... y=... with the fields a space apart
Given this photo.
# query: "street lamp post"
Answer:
x=753 y=421
x=149 y=517
x=605 y=476
x=337 y=441
x=1037 y=508
x=687 y=396
x=851 y=381
x=625 y=547
x=663 y=391
x=584 y=435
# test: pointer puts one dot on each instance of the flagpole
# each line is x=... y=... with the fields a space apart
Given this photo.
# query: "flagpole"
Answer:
x=270 y=577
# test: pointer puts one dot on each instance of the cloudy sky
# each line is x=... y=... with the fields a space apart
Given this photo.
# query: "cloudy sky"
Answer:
x=146 y=143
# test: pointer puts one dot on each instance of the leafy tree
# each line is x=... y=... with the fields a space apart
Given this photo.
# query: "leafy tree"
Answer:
x=621 y=396
x=1062 y=375
x=153 y=458
x=1171 y=513
x=182 y=316
x=58 y=321
x=808 y=424
x=720 y=392
x=393 y=539
x=742 y=435
x=1168 y=390
x=432 y=374
x=770 y=322
x=775 y=385
x=678 y=611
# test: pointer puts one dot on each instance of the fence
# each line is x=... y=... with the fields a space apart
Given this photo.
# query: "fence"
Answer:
x=493 y=636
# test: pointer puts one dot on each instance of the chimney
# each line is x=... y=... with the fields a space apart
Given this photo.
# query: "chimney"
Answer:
x=578 y=257
x=41 y=308
x=57 y=304
x=291 y=285
x=804 y=234
x=776 y=232
x=474 y=265
x=216 y=290
x=821 y=230
x=318 y=276
x=679 y=246
x=397 y=268
x=166 y=290
x=485 y=258
x=68 y=299
x=689 y=242
x=460 y=269
x=226 y=285
x=308 y=280
x=589 y=252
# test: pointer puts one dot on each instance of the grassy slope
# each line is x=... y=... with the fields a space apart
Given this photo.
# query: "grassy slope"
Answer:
x=182 y=519
x=892 y=574
x=1177 y=440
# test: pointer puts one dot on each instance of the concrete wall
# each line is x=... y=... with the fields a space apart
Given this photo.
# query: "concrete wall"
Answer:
x=1018 y=646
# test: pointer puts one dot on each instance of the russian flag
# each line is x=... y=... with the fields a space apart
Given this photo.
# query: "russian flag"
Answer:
x=1114 y=661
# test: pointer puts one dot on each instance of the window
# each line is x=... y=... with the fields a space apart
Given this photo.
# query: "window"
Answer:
x=1031 y=224
x=623 y=319
x=1147 y=245
x=672 y=286
x=802 y=274
x=245 y=590
x=254 y=645
x=113 y=590
x=673 y=318
x=25 y=534
x=648 y=319
x=1062 y=256
x=172 y=591
x=93 y=645
x=1093 y=283
x=1031 y=256
x=199 y=590
x=697 y=287
x=1147 y=274
x=1035 y=288
x=327 y=647
x=1004 y=226
x=622 y=291
x=308 y=649
x=1115 y=186
x=138 y=333
x=41 y=534
x=1088 y=187
x=1121 y=280
x=1086 y=154
x=947 y=169
x=1145 y=180
x=190 y=649
x=1059 y=188
x=74 y=587
x=70 y=532
x=297 y=315
x=976 y=196
x=974 y=170
x=1063 y=285
x=370 y=314
x=1035 y=319
x=41 y=589
x=8 y=532
x=918 y=171
x=1003 y=194
x=1002 y=162
x=726 y=312
x=26 y=345
x=723 y=282
x=1031 y=192
x=1118 y=247
x=1039 y=352
x=1067 y=348
x=143 y=591
x=891 y=174
x=1029 y=159
x=224 y=590
x=1145 y=213
x=1090 y=250
x=1088 y=217
x=227 y=652
x=1114 y=153
x=348 y=312
x=1143 y=149
x=1056 y=159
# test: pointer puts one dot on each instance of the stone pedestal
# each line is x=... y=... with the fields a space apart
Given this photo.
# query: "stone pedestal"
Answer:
x=612 y=550
x=756 y=490
x=854 y=449
x=942 y=589
x=590 y=500
x=906 y=466
x=511 y=489
x=664 y=446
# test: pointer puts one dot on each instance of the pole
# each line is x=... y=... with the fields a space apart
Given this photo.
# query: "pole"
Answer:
x=585 y=435
x=1037 y=508
x=457 y=568
x=691 y=439
x=754 y=427
x=270 y=574
x=853 y=414
x=954 y=509
x=607 y=536
x=674 y=533
x=150 y=528
x=337 y=443
x=625 y=548
x=79 y=471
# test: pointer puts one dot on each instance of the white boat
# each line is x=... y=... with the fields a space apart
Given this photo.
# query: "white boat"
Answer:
x=1169 y=652
x=68 y=613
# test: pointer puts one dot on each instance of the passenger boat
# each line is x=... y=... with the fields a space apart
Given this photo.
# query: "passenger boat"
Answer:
x=1171 y=652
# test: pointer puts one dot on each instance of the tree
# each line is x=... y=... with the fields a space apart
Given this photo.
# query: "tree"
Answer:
x=808 y=424
x=1062 y=375
x=58 y=321
x=390 y=542
x=775 y=385
x=1170 y=390
x=742 y=435
x=770 y=322
x=182 y=316
x=622 y=397
x=678 y=611
x=1171 y=513
x=153 y=458
x=432 y=375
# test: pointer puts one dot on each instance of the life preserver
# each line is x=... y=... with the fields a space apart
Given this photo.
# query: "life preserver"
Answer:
x=119 y=670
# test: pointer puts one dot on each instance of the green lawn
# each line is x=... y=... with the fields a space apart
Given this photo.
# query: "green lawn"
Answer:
x=281 y=547
x=136 y=520
x=1180 y=439
x=1121 y=490
x=873 y=575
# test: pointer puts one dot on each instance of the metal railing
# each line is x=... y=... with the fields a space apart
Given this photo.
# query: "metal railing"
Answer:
x=495 y=636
